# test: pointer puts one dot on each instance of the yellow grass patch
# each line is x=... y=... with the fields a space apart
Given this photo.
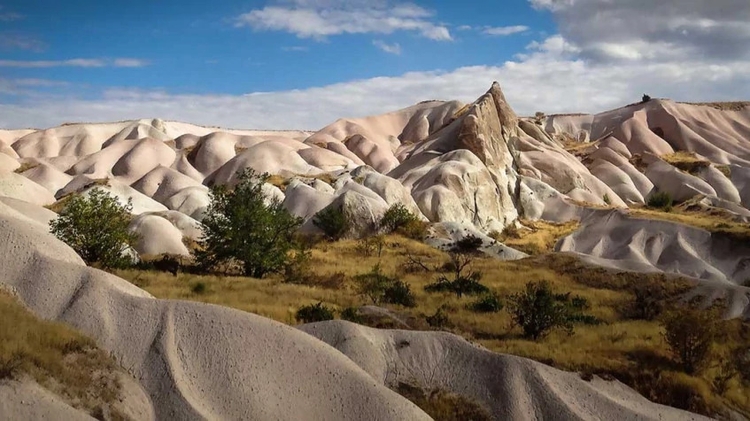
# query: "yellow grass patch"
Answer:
x=686 y=161
x=619 y=347
x=55 y=356
x=715 y=222
x=535 y=237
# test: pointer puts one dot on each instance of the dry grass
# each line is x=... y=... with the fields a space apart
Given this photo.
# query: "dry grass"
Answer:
x=716 y=221
x=535 y=237
x=619 y=347
x=723 y=106
x=25 y=167
x=57 y=357
x=281 y=181
x=686 y=161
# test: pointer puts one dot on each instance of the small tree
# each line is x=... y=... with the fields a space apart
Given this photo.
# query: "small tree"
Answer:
x=96 y=227
x=645 y=98
x=399 y=219
x=462 y=283
x=538 y=311
x=239 y=226
x=314 y=313
x=333 y=222
x=690 y=334
x=487 y=303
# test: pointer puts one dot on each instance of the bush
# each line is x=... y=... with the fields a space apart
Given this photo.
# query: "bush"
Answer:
x=645 y=98
x=461 y=283
x=96 y=227
x=648 y=303
x=439 y=319
x=467 y=245
x=240 y=227
x=399 y=292
x=380 y=288
x=370 y=245
x=537 y=311
x=314 y=313
x=352 y=314
x=396 y=217
x=416 y=230
x=199 y=288
x=660 y=200
x=488 y=303
x=333 y=222
x=690 y=334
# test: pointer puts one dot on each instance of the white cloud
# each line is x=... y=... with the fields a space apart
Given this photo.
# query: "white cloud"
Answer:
x=465 y=28
x=505 y=30
x=13 y=41
x=6 y=16
x=76 y=62
x=320 y=19
x=295 y=48
x=394 y=48
x=130 y=62
x=549 y=78
x=664 y=30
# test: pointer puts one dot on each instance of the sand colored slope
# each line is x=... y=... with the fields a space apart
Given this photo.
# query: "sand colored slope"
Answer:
x=512 y=388
x=196 y=361
x=614 y=239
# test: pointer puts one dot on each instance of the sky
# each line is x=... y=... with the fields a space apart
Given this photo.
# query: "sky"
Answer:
x=302 y=64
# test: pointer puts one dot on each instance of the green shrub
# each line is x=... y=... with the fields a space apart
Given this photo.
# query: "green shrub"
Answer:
x=396 y=217
x=96 y=227
x=487 y=303
x=333 y=222
x=380 y=288
x=461 y=284
x=467 y=245
x=240 y=227
x=660 y=200
x=690 y=334
x=352 y=314
x=416 y=230
x=607 y=199
x=537 y=311
x=199 y=288
x=439 y=319
x=314 y=313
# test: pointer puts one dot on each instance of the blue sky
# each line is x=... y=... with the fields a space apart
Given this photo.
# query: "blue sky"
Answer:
x=303 y=63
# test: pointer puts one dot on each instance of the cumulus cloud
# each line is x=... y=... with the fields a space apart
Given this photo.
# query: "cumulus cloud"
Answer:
x=646 y=30
x=394 y=48
x=549 y=77
x=319 y=19
x=76 y=62
x=505 y=30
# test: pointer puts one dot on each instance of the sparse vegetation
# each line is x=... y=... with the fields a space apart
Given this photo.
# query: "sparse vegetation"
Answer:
x=57 y=357
x=537 y=311
x=333 y=222
x=536 y=237
x=25 y=167
x=444 y=406
x=314 y=313
x=399 y=219
x=660 y=200
x=620 y=346
x=240 y=228
x=690 y=334
x=96 y=227
x=462 y=283
x=487 y=303
x=686 y=161
x=379 y=288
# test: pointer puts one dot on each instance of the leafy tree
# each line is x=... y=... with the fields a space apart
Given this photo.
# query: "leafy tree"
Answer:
x=96 y=227
x=314 y=313
x=690 y=334
x=537 y=310
x=333 y=222
x=240 y=227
